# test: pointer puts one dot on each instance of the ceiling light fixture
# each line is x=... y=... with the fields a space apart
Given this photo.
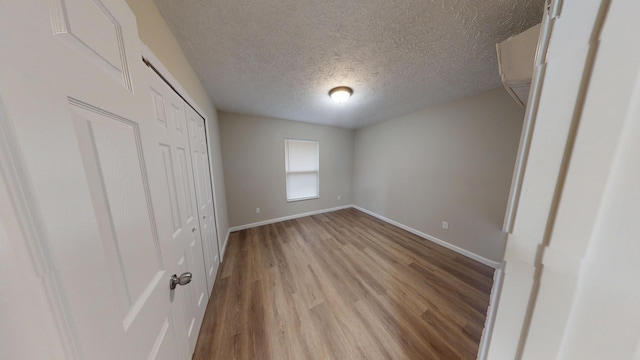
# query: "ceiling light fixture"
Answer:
x=340 y=94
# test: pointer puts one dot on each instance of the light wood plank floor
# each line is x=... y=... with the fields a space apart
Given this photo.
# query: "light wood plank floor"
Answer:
x=343 y=285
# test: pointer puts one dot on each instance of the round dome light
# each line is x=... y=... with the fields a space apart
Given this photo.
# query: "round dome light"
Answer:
x=340 y=94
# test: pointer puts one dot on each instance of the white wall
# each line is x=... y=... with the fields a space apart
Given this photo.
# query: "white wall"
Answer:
x=155 y=34
x=253 y=153
x=451 y=163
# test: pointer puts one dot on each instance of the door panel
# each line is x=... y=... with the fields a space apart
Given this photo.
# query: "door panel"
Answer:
x=113 y=151
x=206 y=215
x=172 y=191
x=85 y=141
x=93 y=30
x=170 y=113
x=110 y=148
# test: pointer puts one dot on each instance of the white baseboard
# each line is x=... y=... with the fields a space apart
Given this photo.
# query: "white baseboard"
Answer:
x=489 y=323
x=290 y=217
x=459 y=250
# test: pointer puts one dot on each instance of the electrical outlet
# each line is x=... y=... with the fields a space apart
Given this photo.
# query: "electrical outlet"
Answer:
x=338 y=197
x=257 y=210
x=445 y=225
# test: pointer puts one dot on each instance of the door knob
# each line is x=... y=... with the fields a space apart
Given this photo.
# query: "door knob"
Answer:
x=181 y=280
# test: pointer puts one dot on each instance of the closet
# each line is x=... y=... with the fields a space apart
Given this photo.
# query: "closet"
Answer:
x=185 y=163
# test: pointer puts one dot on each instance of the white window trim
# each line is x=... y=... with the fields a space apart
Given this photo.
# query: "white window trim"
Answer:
x=287 y=172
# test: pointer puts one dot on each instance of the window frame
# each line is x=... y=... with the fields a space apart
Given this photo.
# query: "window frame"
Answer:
x=287 y=172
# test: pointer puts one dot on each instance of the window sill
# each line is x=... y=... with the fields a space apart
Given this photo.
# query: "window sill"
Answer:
x=304 y=198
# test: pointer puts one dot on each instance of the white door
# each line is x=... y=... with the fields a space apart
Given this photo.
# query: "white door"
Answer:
x=171 y=127
x=75 y=100
x=200 y=160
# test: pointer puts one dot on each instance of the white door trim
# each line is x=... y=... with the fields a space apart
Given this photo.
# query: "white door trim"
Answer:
x=489 y=323
x=529 y=123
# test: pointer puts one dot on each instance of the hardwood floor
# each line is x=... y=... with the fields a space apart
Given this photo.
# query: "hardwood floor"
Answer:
x=343 y=285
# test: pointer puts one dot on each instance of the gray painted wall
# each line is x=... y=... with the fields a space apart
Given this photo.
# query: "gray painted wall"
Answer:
x=451 y=163
x=253 y=157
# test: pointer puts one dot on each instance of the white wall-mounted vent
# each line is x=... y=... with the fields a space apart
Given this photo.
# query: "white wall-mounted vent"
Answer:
x=515 y=62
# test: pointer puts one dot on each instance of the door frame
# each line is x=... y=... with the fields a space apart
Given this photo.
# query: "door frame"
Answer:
x=524 y=147
x=531 y=111
x=150 y=57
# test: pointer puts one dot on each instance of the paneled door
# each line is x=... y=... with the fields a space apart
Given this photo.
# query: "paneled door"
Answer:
x=171 y=126
x=75 y=103
x=206 y=215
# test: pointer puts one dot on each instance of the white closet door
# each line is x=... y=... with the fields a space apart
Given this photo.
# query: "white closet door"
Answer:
x=171 y=128
x=200 y=161
x=76 y=104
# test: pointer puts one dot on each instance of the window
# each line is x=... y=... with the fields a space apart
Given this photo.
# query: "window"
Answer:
x=302 y=166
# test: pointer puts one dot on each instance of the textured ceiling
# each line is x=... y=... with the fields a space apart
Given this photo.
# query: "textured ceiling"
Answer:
x=279 y=58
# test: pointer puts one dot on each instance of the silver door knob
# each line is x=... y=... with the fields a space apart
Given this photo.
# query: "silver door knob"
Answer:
x=181 y=280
